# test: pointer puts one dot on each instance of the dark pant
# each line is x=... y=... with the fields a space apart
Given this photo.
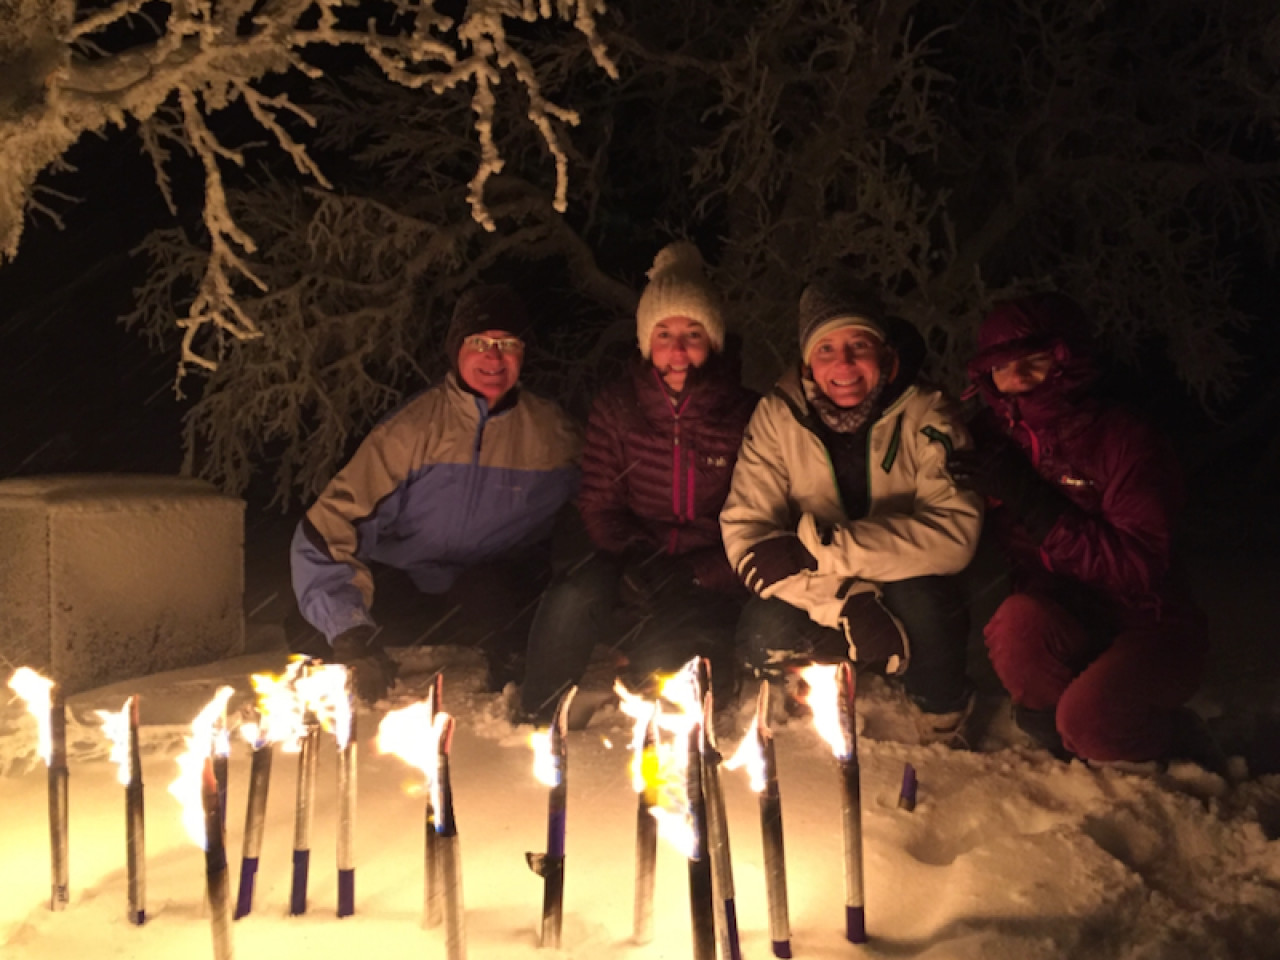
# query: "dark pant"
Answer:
x=657 y=634
x=490 y=607
x=1114 y=694
x=932 y=610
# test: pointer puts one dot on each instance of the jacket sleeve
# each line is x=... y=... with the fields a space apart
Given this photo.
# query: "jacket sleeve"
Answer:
x=332 y=583
x=935 y=533
x=758 y=505
x=1124 y=546
x=602 y=498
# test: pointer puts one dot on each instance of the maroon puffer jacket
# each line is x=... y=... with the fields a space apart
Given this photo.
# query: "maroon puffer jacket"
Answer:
x=657 y=475
x=1117 y=470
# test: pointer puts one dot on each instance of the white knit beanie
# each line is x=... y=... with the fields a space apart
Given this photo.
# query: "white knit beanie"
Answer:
x=678 y=287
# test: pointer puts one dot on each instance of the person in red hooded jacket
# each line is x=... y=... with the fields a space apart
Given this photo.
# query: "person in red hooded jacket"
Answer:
x=659 y=455
x=1098 y=643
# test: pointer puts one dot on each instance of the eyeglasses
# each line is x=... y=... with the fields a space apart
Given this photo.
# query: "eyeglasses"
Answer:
x=482 y=344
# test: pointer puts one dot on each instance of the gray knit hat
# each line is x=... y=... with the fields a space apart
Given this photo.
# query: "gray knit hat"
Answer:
x=492 y=307
x=834 y=301
x=678 y=287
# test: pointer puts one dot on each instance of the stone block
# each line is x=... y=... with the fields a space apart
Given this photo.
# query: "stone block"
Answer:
x=108 y=577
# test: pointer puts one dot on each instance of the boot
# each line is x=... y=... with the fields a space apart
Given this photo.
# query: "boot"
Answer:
x=949 y=729
x=1042 y=727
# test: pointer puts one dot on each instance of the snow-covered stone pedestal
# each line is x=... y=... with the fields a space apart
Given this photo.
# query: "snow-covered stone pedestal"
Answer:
x=107 y=577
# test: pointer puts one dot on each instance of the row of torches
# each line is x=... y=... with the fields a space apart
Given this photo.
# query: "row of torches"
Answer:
x=675 y=772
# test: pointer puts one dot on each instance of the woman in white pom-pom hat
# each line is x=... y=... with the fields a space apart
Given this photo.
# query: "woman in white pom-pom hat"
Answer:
x=659 y=454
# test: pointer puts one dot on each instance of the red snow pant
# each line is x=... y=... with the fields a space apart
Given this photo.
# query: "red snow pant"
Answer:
x=1114 y=696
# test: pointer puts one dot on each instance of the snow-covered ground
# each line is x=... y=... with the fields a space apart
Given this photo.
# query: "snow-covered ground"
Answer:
x=1009 y=854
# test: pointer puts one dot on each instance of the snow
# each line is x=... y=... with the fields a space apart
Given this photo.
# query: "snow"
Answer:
x=1008 y=854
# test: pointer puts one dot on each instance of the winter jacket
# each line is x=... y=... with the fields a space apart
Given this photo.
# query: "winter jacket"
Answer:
x=919 y=523
x=656 y=474
x=442 y=484
x=1119 y=474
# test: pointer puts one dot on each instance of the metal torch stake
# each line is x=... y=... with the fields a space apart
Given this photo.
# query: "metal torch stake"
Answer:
x=718 y=834
x=217 y=879
x=254 y=823
x=775 y=861
x=306 y=797
x=701 y=894
x=135 y=825
x=646 y=836
x=433 y=894
x=60 y=894
x=552 y=865
x=450 y=857
x=347 y=816
x=851 y=811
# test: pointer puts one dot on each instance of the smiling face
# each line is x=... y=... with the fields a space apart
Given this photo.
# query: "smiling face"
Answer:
x=1024 y=374
x=676 y=346
x=846 y=365
x=490 y=371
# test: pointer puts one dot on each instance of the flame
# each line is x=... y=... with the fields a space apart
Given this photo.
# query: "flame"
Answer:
x=750 y=754
x=37 y=691
x=322 y=687
x=115 y=726
x=413 y=734
x=660 y=774
x=546 y=765
x=289 y=703
x=824 y=700
x=201 y=744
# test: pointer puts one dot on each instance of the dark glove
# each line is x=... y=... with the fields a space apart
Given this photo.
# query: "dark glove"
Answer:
x=775 y=559
x=872 y=633
x=648 y=571
x=375 y=671
x=1001 y=471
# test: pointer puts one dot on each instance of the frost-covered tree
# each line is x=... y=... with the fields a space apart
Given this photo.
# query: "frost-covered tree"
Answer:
x=952 y=152
x=169 y=68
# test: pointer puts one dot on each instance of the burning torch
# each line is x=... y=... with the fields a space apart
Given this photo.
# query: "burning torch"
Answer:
x=122 y=730
x=196 y=788
x=423 y=739
x=717 y=827
x=757 y=754
x=45 y=701
x=551 y=766
x=832 y=697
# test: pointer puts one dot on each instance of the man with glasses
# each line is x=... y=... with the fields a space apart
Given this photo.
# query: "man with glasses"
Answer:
x=452 y=495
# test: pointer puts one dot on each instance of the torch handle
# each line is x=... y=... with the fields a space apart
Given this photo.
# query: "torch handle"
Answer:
x=135 y=822
x=433 y=890
x=851 y=811
x=217 y=879
x=60 y=894
x=701 y=888
x=721 y=861
x=254 y=825
x=646 y=864
x=136 y=851
x=454 y=915
x=775 y=860
x=302 y=824
x=553 y=867
x=346 y=827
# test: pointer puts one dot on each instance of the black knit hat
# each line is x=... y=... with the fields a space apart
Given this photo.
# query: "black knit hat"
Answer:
x=491 y=307
x=836 y=300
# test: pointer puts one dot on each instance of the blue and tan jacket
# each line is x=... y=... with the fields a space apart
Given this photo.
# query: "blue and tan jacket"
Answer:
x=439 y=486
